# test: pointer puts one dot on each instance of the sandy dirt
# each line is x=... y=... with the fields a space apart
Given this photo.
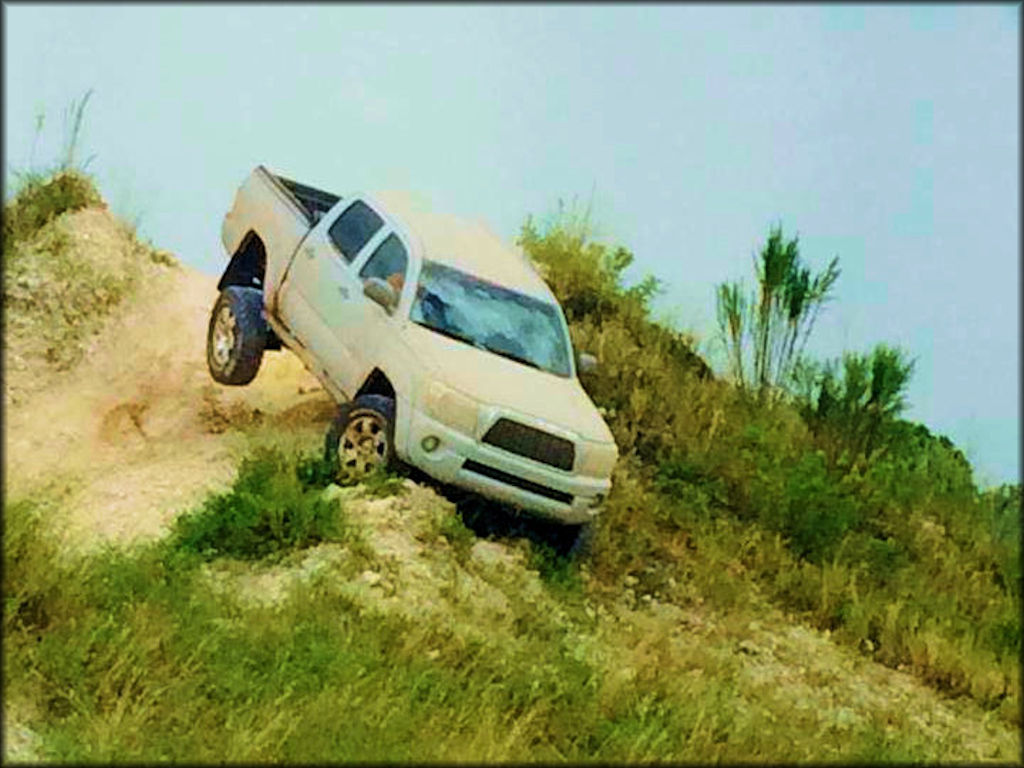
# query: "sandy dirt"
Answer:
x=139 y=431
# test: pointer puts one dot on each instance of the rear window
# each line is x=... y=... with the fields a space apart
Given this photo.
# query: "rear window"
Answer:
x=351 y=231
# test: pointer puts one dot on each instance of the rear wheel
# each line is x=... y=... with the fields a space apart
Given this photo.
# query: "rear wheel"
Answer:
x=237 y=336
x=362 y=437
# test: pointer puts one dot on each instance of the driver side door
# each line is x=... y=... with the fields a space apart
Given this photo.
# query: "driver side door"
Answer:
x=329 y=293
x=372 y=330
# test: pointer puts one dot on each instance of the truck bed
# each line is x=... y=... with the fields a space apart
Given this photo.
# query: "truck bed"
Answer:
x=280 y=212
x=315 y=202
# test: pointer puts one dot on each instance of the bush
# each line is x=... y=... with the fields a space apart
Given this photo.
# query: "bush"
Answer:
x=268 y=509
x=856 y=411
x=831 y=505
x=587 y=279
x=814 y=514
x=40 y=199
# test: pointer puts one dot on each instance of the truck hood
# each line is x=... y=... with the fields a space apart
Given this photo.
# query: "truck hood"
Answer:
x=495 y=380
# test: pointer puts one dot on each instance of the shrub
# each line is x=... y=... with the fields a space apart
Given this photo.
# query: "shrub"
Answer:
x=314 y=471
x=857 y=410
x=587 y=279
x=866 y=524
x=814 y=514
x=267 y=510
x=40 y=199
x=585 y=276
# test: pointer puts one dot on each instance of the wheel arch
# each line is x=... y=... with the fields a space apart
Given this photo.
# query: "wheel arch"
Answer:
x=248 y=265
x=377 y=383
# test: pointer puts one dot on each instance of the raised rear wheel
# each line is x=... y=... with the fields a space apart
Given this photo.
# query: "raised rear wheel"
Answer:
x=237 y=336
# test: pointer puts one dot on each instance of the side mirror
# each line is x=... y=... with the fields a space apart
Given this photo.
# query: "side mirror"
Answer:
x=381 y=292
x=586 y=363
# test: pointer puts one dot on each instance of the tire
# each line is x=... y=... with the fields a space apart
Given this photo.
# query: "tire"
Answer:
x=237 y=336
x=362 y=437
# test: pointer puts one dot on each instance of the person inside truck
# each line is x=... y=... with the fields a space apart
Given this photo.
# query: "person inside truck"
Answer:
x=397 y=281
x=389 y=263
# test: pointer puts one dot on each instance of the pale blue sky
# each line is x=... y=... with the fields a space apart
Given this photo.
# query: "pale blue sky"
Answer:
x=886 y=135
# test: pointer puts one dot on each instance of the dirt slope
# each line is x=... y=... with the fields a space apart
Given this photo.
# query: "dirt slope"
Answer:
x=138 y=432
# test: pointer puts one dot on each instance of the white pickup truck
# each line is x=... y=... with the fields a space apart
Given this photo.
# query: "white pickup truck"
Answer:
x=443 y=346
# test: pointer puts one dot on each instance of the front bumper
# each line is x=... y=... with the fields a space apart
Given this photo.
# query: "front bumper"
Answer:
x=497 y=474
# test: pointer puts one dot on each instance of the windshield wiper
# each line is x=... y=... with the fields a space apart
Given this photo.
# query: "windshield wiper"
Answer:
x=512 y=356
x=452 y=334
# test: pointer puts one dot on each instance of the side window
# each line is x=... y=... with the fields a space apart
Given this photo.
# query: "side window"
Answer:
x=351 y=231
x=388 y=262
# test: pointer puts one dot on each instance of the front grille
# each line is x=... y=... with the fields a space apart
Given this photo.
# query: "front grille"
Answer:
x=526 y=485
x=532 y=443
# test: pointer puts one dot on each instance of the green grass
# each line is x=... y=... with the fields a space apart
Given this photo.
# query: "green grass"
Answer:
x=892 y=549
x=146 y=662
x=135 y=655
x=458 y=535
x=274 y=505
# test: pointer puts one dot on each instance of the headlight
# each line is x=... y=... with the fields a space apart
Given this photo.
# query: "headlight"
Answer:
x=598 y=459
x=451 y=407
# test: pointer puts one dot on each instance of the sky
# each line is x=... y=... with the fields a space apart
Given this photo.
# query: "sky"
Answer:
x=886 y=135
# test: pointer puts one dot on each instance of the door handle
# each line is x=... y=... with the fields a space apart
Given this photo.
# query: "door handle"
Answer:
x=343 y=291
x=308 y=250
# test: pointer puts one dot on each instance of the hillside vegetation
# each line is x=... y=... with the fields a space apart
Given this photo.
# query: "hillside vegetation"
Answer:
x=886 y=542
x=786 y=578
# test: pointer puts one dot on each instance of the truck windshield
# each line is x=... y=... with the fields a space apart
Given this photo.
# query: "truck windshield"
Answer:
x=490 y=317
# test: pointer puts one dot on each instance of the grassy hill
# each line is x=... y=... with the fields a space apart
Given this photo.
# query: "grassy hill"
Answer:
x=181 y=581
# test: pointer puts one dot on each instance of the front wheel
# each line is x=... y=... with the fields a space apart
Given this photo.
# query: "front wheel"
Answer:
x=362 y=437
x=237 y=336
